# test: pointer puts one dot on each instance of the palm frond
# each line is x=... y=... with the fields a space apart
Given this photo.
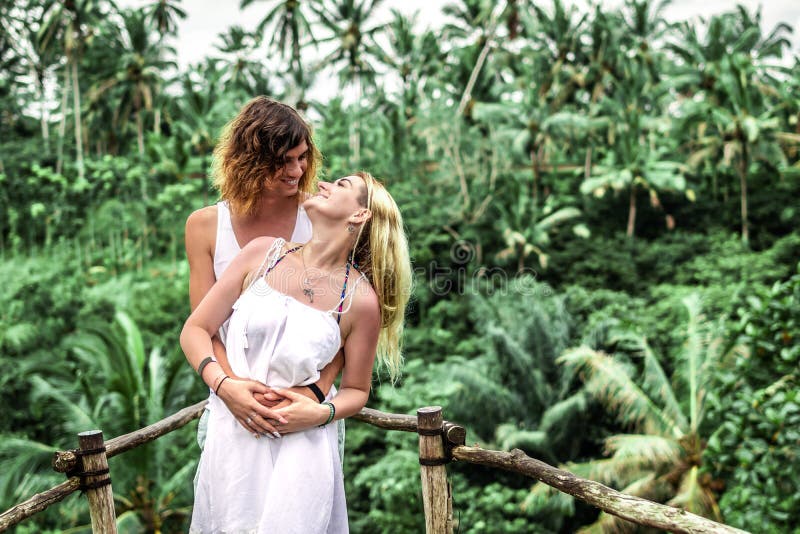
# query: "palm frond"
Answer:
x=76 y=416
x=533 y=442
x=24 y=467
x=657 y=385
x=610 y=382
x=693 y=355
x=648 y=487
x=694 y=497
x=609 y=524
x=565 y=410
x=643 y=451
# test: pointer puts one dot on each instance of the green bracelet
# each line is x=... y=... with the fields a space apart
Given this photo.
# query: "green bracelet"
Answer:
x=332 y=414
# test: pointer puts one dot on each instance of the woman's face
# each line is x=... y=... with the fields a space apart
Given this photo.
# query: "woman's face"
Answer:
x=339 y=199
x=287 y=178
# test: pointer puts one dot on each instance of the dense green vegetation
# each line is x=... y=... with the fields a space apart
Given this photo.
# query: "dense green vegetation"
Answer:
x=602 y=208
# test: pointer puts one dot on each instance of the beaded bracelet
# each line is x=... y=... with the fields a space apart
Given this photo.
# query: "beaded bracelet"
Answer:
x=332 y=408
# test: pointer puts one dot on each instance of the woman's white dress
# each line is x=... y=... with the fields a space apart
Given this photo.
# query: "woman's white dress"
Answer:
x=283 y=485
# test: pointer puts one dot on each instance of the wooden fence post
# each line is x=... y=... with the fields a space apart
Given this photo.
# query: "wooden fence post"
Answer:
x=96 y=480
x=432 y=459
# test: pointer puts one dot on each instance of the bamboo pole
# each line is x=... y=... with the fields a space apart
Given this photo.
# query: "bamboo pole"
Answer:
x=97 y=481
x=635 y=509
x=435 y=490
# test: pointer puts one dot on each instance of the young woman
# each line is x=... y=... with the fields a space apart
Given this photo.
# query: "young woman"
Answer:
x=265 y=167
x=290 y=308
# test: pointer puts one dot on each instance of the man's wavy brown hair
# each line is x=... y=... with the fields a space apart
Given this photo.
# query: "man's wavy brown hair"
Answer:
x=252 y=149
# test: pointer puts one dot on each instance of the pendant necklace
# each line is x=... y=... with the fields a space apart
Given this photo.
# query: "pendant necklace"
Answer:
x=307 y=282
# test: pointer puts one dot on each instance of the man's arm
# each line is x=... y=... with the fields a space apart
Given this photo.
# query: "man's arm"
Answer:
x=199 y=241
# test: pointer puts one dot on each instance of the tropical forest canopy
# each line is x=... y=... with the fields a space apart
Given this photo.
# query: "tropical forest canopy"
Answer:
x=602 y=207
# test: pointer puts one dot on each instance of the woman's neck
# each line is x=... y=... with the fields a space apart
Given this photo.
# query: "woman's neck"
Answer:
x=327 y=251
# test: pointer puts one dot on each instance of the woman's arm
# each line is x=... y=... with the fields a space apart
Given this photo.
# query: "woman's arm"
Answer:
x=203 y=324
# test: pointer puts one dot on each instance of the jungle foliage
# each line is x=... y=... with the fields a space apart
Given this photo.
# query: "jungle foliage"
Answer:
x=602 y=208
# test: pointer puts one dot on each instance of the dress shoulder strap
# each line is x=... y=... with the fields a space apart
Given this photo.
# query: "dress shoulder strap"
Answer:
x=271 y=258
x=347 y=295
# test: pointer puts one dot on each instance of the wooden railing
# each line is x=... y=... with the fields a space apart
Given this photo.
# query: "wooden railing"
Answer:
x=440 y=442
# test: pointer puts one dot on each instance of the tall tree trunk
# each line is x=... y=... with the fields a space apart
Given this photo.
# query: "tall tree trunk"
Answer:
x=632 y=211
x=355 y=126
x=157 y=120
x=743 y=165
x=535 y=186
x=140 y=132
x=473 y=77
x=76 y=98
x=62 y=126
x=43 y=110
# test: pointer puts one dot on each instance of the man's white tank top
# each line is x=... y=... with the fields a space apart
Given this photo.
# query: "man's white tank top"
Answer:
x=226 y=247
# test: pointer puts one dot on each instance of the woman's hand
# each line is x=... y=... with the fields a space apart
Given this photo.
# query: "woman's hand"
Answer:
x=239 y=396
x=301 y=414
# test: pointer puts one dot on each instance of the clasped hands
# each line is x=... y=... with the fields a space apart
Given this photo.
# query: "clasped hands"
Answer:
x=270 y=412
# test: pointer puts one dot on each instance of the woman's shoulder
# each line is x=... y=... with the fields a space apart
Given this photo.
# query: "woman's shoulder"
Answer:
x=365 y=299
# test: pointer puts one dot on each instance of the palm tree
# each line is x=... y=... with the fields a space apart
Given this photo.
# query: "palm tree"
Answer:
x=355 y=52
x=638 y=159
x=135 y=66
x=558 y=52
x=70 y=23
x=733 y=115
x=165 y=15
x=415 y=57
x=353 y=34
x=289 y=25
x=661 y=457
x=12 y=67
x=526 y=399
x=203 y=107
x=243 y=73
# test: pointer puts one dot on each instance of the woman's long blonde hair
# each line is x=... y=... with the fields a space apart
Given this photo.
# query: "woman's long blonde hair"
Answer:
x=381 y=253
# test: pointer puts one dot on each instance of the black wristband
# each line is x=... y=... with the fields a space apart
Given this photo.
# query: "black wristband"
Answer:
x=317 y=392
x=224 y=378
x=202 y=366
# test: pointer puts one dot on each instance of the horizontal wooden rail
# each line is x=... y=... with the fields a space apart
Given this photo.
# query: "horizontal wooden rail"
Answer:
x=637 y=510
x=38 y=503
x=640 y=511
x=64 y=461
